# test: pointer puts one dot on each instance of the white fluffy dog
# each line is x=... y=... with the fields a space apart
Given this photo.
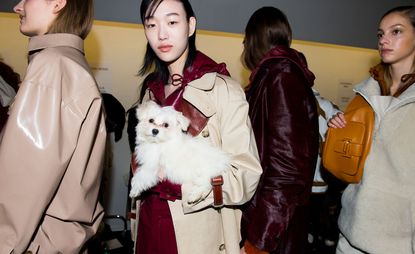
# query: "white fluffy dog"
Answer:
x=164 y=149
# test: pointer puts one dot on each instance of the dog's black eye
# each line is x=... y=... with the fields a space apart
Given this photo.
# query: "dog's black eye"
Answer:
x=165 y=125
x=151 y=120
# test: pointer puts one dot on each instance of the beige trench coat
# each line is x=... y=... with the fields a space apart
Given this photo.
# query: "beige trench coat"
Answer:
x=51 y=152
x=199 y=227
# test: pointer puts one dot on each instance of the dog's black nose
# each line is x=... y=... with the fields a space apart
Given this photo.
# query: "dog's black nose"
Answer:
x=154 y=131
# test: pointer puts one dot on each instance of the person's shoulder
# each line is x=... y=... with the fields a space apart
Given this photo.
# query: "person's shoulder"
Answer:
x=62 y=59
x=278 y=64
x=228 y=86
x=213 y=79
x=368 y=86
x=55 y=57
x=53 y=66
x=226 y=80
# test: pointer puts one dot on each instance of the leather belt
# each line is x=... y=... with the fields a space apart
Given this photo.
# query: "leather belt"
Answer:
x=217 y=183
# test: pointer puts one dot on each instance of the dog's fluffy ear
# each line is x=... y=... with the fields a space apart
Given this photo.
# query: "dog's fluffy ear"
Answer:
x=183 y=121
x=144 y=108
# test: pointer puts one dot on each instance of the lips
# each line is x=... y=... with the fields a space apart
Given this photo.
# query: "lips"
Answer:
x=165 y=48
x=385 y=51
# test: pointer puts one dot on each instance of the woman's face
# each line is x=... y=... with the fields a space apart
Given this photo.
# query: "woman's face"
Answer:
x=35 y=16
x=396 y=39
x=168 y=32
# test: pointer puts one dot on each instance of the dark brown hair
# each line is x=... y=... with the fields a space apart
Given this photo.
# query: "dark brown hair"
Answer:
x=76 y=17
x=268 y=27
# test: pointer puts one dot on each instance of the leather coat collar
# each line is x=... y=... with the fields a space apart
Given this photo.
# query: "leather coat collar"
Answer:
x=40 y=42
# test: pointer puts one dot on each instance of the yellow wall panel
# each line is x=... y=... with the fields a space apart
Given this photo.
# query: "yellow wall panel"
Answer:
x=121 y=47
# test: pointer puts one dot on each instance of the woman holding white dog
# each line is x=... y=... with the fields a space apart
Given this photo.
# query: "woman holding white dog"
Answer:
x=182 y=77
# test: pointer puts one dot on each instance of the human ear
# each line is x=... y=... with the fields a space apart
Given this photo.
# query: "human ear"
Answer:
x=58 y=5
x=192 y=26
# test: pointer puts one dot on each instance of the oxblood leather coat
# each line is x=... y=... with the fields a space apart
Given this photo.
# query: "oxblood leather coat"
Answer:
x=51 y=152
x=285 y=122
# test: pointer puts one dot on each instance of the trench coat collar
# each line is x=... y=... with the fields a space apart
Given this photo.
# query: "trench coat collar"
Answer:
x=195 y=93
x=37 y=43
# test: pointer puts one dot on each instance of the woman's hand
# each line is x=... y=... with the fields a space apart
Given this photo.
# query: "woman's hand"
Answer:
x=242 y=251
x=337 y=121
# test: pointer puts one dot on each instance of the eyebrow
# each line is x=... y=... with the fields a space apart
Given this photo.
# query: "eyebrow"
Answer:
x=173 y=14
x=392 y=26
x=168 y=15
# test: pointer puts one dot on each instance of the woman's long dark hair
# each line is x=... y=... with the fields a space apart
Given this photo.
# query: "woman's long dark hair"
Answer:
x=151 y=62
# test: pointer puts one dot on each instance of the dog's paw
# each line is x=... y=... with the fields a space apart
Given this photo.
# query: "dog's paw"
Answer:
x=197 y=194
x=135 y=191
x=138 y=185
x=143 y=180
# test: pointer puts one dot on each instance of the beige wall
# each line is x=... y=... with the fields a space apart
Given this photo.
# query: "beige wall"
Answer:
x=121 y=46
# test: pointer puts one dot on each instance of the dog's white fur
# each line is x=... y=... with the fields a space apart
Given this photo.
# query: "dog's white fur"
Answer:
x=162 y=144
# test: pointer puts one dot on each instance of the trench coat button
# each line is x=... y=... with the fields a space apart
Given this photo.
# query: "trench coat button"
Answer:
x=222 y=247
x=205 y=133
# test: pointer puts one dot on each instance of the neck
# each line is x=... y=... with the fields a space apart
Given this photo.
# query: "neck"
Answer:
x=177 y=66
x=397 y=70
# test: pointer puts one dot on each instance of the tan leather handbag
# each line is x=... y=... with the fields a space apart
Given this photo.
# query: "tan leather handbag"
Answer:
x=345 y=149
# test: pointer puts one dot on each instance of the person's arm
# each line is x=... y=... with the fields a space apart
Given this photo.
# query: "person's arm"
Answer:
x=289 y=149
x=237 y=140
x=74 y=214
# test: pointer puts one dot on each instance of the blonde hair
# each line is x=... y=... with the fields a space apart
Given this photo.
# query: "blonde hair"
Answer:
x=76 y=17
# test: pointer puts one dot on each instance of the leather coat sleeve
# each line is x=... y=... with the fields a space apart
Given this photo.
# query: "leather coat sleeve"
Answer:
x=50 y=162
x=286 y=130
